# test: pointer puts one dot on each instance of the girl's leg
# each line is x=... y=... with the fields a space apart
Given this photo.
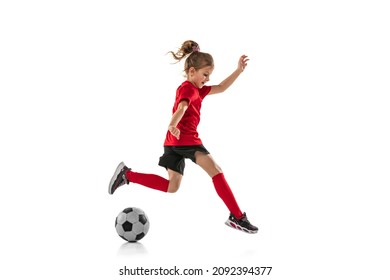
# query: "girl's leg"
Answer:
x=156 y=182
x=221 y=186
x=174 y=180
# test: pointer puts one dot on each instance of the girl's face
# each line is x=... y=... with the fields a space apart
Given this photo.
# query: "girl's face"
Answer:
x=199 y=77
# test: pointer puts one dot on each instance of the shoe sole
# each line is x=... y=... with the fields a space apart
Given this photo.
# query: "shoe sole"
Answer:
x=238 y=227
x=114 y=177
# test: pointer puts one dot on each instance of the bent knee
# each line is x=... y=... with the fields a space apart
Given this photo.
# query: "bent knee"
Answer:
x=174 y=181
x=173 y=187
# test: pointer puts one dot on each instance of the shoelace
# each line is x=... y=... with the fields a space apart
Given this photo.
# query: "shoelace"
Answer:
x=244 y=218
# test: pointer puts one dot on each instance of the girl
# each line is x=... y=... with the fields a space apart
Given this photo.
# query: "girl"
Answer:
x=182 y=140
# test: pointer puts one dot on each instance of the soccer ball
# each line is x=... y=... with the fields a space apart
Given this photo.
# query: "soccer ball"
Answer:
x=132 y=224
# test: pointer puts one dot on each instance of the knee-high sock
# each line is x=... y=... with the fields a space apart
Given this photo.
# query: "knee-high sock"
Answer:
x=224 y=192
x=148 y=180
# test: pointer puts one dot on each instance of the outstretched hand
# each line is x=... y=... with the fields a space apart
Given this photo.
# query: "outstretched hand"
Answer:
x=243 y=61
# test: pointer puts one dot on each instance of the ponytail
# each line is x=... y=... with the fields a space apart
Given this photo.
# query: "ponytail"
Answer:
x=194 y=57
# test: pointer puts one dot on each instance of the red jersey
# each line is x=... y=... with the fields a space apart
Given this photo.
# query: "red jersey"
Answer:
x=191 y=118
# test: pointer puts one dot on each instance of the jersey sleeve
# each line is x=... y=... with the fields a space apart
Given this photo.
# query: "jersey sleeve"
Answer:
x=204 y=91
x=188 y=93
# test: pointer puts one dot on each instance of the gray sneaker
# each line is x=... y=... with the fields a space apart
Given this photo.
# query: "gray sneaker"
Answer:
x=119 y=178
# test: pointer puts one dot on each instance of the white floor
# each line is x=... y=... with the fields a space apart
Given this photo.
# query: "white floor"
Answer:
x=302 y=137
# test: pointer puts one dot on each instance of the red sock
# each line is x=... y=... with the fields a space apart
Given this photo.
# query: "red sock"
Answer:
x=224 y=192
x=148 y=180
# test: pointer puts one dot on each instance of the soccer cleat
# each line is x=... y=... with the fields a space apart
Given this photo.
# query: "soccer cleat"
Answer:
x=119 y=178
x=241 y=224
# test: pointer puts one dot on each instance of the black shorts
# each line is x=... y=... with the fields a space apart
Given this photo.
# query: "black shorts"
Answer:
x=173 y=157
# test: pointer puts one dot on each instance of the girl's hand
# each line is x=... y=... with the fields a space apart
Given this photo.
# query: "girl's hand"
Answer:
x=243 y=62
x=174 y=131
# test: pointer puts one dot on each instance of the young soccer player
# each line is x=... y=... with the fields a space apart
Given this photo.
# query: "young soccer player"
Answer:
x=182 y=140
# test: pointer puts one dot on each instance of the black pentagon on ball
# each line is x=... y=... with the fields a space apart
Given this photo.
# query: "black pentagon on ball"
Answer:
x=128 y=210
x=127 y=226
x=142 y=219
x=140 y=236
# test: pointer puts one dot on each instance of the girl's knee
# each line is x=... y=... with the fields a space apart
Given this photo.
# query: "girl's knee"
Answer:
x=173 y=186
x=174 y=181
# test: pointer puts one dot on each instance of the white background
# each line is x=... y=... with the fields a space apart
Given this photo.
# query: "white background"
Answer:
x=302 y=136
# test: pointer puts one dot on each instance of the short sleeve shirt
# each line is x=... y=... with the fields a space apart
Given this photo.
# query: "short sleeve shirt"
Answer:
x=191 y=118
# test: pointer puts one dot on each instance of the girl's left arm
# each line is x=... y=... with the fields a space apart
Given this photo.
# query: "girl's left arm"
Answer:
x=225 y=84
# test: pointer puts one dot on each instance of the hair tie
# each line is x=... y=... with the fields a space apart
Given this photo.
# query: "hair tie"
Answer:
x=195 y=49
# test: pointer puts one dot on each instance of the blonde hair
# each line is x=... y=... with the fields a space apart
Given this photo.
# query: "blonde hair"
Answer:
x=195 y=58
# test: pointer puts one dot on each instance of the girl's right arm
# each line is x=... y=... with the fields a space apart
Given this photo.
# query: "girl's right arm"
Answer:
x=176 y=117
